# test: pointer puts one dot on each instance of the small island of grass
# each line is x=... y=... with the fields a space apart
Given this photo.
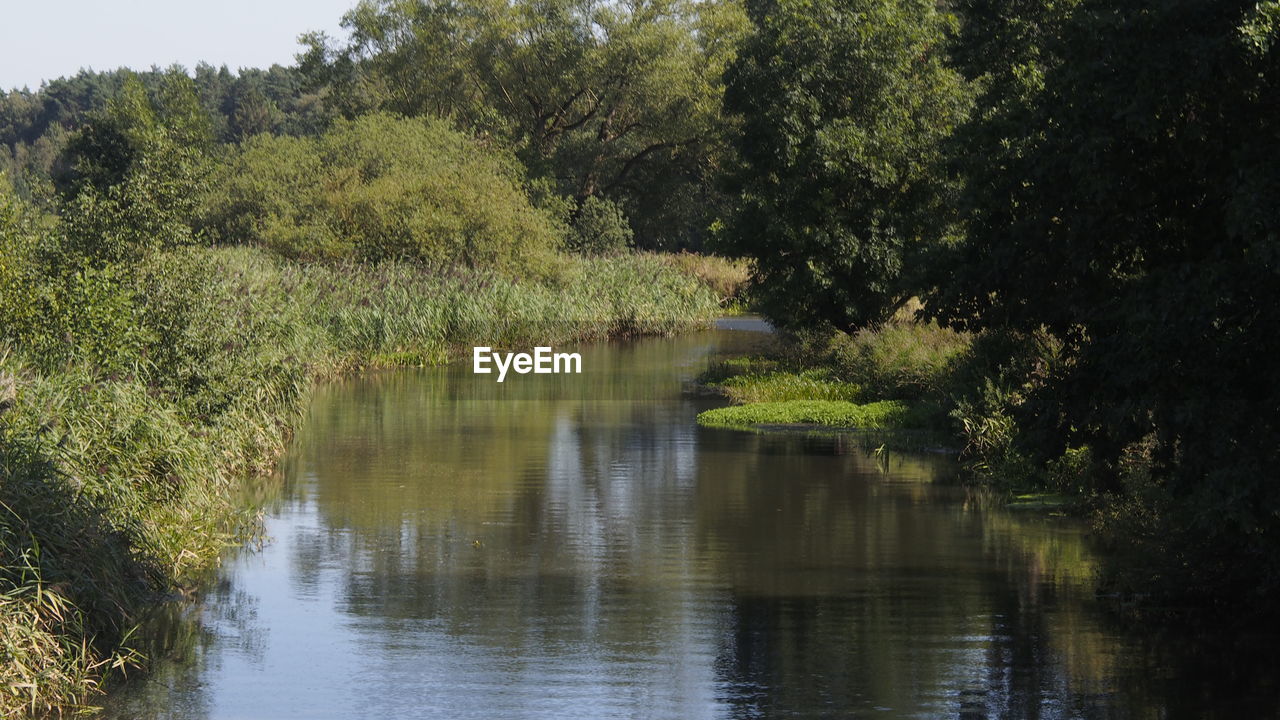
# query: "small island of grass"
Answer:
x=882 y=415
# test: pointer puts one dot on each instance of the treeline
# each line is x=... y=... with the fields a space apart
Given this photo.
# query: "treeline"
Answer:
x=1082 y=191
x=35 y=126
x=616 y=107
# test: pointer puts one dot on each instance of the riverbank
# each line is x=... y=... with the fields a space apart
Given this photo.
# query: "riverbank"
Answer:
x=985 y=396
x=122 y=442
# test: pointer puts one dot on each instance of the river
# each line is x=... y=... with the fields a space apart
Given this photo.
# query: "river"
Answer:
x=575 y=546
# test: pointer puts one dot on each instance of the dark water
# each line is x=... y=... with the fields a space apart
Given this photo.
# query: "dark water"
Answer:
x=576 y=547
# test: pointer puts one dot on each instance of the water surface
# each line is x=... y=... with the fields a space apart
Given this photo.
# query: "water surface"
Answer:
x=445 y=546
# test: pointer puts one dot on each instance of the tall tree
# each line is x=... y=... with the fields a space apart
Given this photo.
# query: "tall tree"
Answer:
x=612 y=99
x=844 y=107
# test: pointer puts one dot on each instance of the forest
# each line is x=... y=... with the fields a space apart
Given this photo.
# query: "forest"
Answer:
x=1046 y=229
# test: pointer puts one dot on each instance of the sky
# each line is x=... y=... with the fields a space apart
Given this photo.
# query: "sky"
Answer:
x=46 y=39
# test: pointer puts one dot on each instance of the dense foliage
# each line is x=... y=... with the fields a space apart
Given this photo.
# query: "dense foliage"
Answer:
x=382 y=187
x=35 y=125
x=844 y=107
x=135 y=171
x=1098 y=216
x=620 y=100
x=1120 y=201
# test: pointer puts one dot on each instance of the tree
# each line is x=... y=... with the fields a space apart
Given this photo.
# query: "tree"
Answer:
x=844 y=107
x=613 y=99
x=1127 y=206
x=137 y=170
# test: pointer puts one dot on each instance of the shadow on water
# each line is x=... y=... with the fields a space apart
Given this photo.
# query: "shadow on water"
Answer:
x=576 y=546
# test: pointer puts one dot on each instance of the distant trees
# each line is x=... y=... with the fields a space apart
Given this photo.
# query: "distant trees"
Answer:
x=844 y=106
x=35 y=125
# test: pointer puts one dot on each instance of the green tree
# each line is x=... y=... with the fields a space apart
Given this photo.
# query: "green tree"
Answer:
x=618 y=99
x=1126 y=205
x=844 y=109
x=137 y=170
x=600 y=228
x=382 y=187
x=254 y=114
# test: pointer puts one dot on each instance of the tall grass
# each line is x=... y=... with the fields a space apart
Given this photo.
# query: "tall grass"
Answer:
x=780 y=386
x=899 y=360
x=727 y=278
x=118 y=463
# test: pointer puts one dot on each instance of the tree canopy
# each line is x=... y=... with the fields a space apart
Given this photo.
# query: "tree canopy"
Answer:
x=620 y=100
x=844 y=107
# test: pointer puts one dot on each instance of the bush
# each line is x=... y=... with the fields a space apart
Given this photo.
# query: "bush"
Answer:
x=139 y=167
x=898 y=360
x=84 y=313
x=383 y=187
x=600 y=228
x=994 y=392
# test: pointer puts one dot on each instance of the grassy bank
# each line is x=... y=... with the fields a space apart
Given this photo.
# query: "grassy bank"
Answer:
x=985 y=396
x=133 y=404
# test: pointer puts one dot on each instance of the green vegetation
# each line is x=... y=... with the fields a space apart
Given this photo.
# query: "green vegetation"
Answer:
x=844 y=107
x=834 y=413
x=119 y=484
x=600 y=228
x=913 y=364
x=36 y=125
x=902 y=366
x=727 y=278
x=784 y=386
x=168 y=303
x=1078 y=192
x=616 y=101
x=1076 y=187
x=380 y=187
x=897 y=360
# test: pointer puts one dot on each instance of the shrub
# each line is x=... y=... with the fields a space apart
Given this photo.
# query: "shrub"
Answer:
x=720 y=371
x=383 y=187
x=727 y=278
x=780 y=386
x=139 y=167
x=83 y=313
x=600 y=228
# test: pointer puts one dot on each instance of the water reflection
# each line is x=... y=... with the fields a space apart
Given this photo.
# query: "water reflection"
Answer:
x=575 y=546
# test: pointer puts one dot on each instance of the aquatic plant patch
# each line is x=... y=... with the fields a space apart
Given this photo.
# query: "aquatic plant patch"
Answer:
x=886 y=414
